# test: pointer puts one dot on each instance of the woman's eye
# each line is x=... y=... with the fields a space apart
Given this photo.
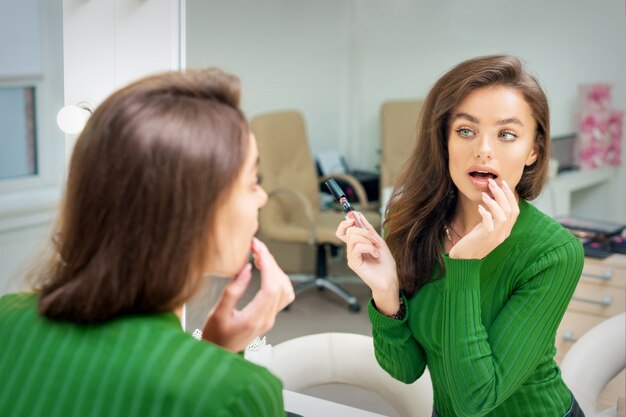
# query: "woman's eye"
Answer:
x=508 y=136
x=259 y=179
x=465 y=132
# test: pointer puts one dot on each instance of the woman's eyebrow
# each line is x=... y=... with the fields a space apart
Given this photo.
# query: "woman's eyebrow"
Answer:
x=501 y=122
x=466 y=116
x=513 y=120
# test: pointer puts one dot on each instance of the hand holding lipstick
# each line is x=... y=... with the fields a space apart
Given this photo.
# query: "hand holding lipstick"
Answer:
x=233 y=329
x=370 y=258
x=499 y=215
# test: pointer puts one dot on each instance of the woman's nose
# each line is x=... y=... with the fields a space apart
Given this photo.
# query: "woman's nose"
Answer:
x=262 y=197
x=484 y=148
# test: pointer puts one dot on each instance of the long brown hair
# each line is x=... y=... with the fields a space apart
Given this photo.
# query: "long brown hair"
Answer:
x=154 y=162
x=424 y=196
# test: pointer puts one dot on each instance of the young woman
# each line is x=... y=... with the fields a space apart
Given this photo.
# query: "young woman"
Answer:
x=162 y=190
x=472 y=281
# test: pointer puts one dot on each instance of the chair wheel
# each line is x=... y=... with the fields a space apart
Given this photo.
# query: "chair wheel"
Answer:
x=355 y=308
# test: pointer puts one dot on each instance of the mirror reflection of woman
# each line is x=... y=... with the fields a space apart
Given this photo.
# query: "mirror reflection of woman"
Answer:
x=162 y=190
x=471 y=280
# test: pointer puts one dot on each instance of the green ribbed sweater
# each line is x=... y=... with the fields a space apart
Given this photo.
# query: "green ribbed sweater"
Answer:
x=132 y=366
x=486 y=330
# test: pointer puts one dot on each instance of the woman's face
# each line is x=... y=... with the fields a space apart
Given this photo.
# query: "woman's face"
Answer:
x=492 y=134
x=237 y=219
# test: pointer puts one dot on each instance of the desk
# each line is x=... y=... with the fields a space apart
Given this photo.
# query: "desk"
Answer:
x=308 y=406
x=591 y=193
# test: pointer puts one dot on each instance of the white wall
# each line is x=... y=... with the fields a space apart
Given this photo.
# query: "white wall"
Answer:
x=288 y=54
x=31 y=53
x=338 y=61
x=106 y=44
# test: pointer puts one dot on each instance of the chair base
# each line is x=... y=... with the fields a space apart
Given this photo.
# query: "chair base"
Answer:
x=322 y=283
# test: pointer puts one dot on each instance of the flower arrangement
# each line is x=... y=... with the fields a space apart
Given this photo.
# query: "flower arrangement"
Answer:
x=600 y=128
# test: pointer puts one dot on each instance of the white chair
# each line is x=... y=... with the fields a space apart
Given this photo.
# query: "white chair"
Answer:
x=346 y=358
x=594 y=360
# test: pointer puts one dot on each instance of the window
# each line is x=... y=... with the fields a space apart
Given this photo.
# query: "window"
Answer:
x=32 y=147
x=17 y=132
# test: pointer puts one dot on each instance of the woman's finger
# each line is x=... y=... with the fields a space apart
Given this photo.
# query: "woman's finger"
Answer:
x=274 y=281
x=362 y=248
x=499 y=196
x=510 y=196
x=487 y=218
x=495 y=209
x=343 y=227
x=369 y=226
x=234 y=290
x=355 y=238
x=263 y=259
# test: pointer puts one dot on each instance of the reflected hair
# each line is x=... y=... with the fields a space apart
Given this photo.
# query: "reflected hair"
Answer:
x=147 y=175
x=424 y=196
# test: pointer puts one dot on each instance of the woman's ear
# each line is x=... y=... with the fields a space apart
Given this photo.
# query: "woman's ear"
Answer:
x=532 y=156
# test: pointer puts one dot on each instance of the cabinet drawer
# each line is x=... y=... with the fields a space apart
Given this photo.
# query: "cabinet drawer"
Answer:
x=603 y=273
x=572 y=327
x=597 y=299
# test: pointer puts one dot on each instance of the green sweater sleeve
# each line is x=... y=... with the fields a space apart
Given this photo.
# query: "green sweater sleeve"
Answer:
x=261 y=396
x=397 y=352
x=484 y=367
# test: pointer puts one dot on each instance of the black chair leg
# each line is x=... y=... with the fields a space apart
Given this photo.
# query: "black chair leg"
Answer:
x=321 y=281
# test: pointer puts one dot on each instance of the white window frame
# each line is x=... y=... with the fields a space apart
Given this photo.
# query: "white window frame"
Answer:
x=33 y=200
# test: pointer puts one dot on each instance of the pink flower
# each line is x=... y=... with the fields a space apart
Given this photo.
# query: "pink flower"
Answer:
x=593 y=154
x=599 y=94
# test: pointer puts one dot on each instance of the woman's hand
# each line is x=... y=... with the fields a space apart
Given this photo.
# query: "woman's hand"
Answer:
x=497 y=222
x=233 y=329
x=370 y=258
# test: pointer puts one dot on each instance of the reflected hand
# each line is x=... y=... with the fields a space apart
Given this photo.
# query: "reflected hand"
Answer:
x=497 y=222
x=233 y=329
x=370 y=258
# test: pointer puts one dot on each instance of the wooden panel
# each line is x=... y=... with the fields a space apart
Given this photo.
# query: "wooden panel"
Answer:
x=572 y=327
x=600 y=273
x=598 y=300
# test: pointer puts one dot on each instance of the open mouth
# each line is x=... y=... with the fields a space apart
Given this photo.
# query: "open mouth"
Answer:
x=483 y=175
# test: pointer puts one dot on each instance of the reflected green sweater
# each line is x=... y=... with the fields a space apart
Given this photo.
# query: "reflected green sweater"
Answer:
x=132 y=366
x=487 y=329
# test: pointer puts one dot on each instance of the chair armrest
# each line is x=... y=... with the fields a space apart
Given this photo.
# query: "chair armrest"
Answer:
x=361 y=195
x=303 y=204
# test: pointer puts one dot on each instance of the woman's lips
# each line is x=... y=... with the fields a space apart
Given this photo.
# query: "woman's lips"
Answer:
x=480 y=182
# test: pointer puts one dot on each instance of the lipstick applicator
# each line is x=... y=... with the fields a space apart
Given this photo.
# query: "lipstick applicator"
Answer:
x=340 y=196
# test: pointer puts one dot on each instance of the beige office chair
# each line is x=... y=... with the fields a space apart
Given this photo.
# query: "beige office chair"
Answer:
x=347 y=358
x=398 y=136
x=594 y=360
x=292 y=213
x=398 y=124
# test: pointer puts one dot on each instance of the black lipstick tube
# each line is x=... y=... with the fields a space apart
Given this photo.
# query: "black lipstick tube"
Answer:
x=340 y=196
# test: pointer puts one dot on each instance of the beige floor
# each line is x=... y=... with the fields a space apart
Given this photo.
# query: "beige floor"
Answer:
x=312 y=312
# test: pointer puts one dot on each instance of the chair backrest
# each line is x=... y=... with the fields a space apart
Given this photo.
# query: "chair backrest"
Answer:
x=399 y=120
x=286 y=162
x=595 y=359
x=346 y=358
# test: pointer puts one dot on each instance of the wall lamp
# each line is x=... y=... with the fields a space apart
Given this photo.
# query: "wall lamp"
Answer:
x=72 y=118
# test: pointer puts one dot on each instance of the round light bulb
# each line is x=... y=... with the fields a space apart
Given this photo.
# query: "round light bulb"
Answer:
x=71 y=119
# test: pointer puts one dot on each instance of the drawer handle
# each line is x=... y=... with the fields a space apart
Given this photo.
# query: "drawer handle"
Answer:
x=606 y=300
x=605 y=276
x=568 y=336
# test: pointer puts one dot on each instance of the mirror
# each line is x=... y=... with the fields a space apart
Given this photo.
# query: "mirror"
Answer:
x=337 y=62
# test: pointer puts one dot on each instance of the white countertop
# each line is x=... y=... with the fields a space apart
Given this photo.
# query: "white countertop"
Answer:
x=308 y=406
